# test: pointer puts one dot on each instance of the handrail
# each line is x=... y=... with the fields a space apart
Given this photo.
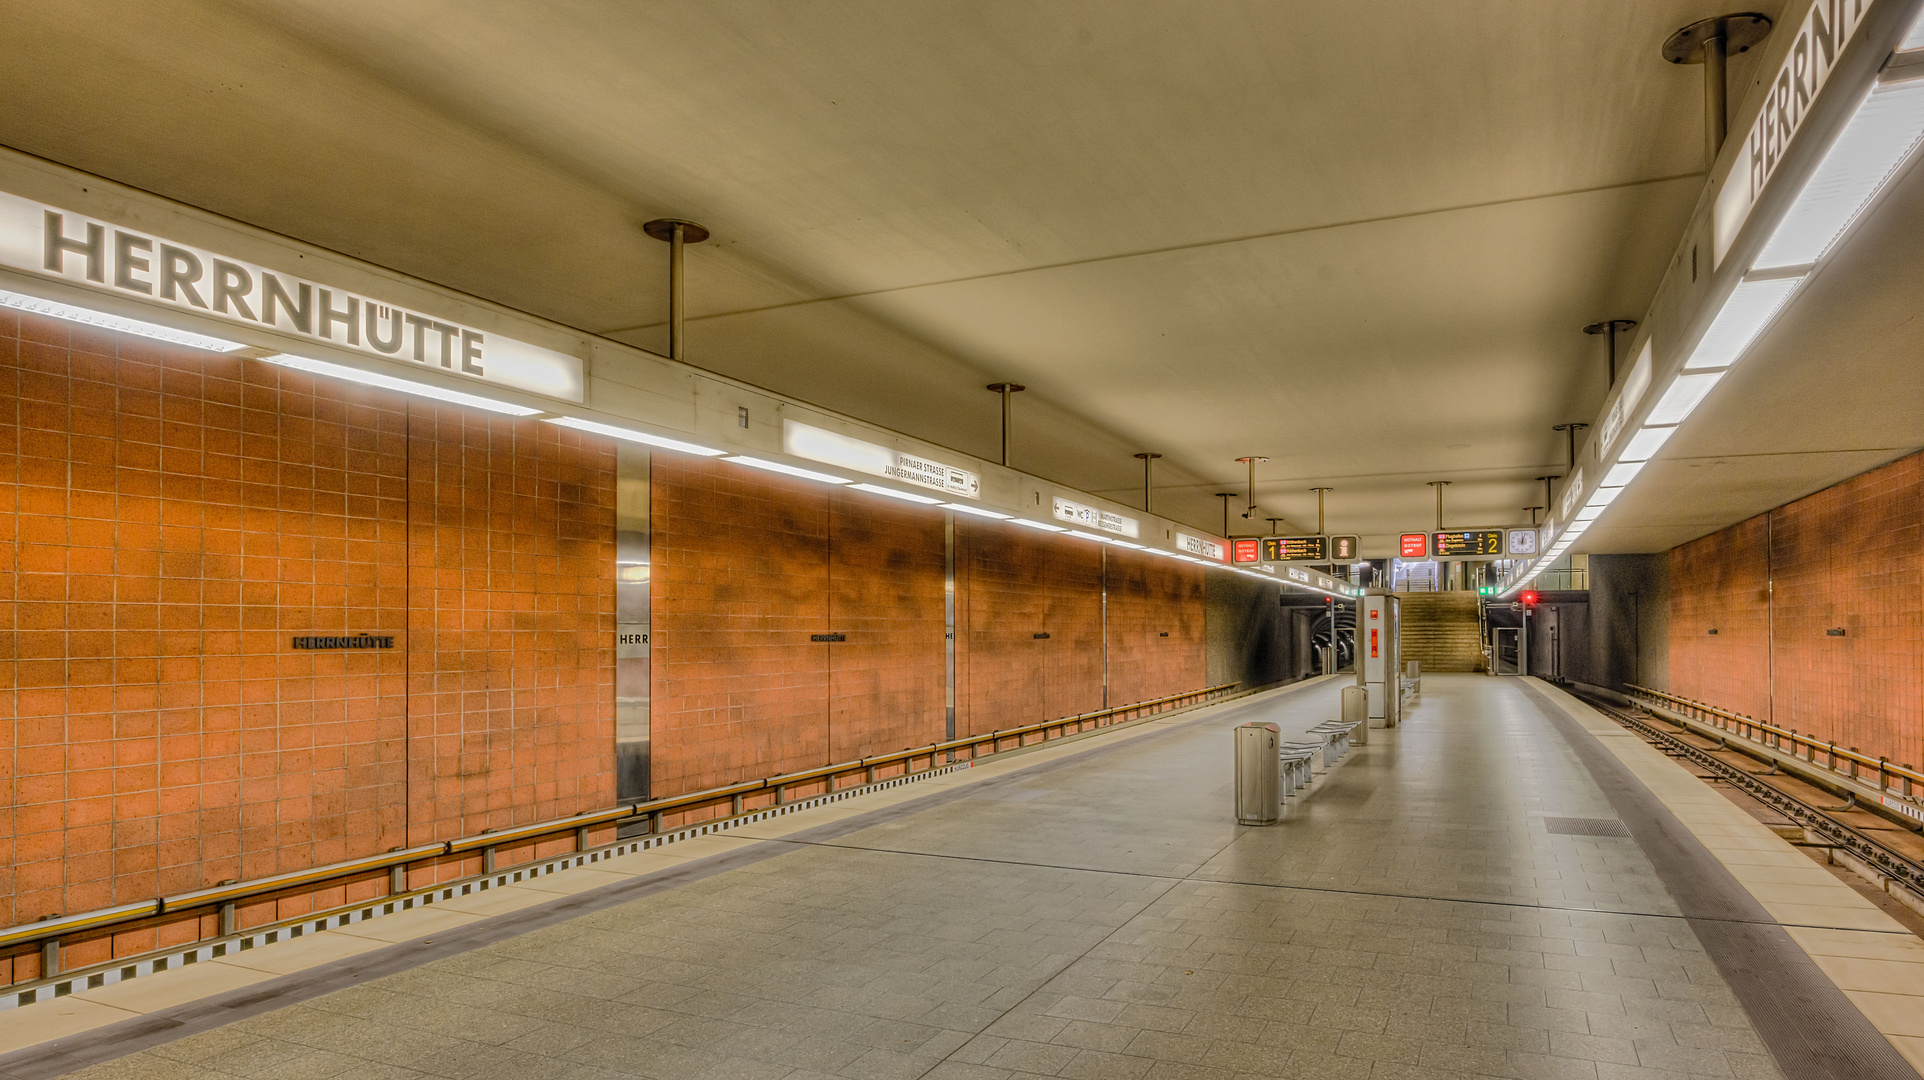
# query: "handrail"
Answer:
x=1775 y=737
x=52 y=929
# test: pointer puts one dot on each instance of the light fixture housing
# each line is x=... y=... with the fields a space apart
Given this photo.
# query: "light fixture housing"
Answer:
x=1039 y=526
x=962 y=508
x=53 y=309
x=1750 y=308
x=1645 y=443
x=877 y=489
x=786 y=469
x=631 y=435
x=1879 y=137
x=1684 y=395
x=389 y=382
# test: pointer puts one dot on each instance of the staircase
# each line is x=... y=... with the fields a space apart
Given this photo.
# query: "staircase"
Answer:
x=1440 y=631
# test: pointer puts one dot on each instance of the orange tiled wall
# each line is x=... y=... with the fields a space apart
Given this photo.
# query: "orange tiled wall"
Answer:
x=169 y=518
x=748 y=565
x=1845 y=558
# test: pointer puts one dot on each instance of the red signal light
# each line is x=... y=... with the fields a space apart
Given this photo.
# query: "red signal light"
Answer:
x=1530 y=599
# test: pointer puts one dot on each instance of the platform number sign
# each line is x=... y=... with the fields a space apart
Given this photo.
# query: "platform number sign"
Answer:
x=1472 y=543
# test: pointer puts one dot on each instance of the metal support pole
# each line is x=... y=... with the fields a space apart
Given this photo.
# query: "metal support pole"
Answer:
x=1572 y=427
x=677 y=233
x=1610 y=327
x=1251 y=462
x=1439 y=485
x=1533 y=513
x=1225 y=496
x=1711 y=42
x=1548 y=502
x=1148 y=488
x=1321 y=526
x=1006 y=389
x=49 y=958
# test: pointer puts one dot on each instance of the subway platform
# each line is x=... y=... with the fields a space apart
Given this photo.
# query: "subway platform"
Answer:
x=1502 y=887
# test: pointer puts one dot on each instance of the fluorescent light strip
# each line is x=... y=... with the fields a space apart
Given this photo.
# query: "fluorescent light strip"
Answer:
x=1039 y=525
x=389 y=382
x=89 y=317
x=1604 y=496
x=875 y=489
x=786 y=470
x=1744 y=316
x=1880 y=135
x=631 y=435
x=1621 y=474
x=977 y=511
x=1125 y=544
x=1914 y=37
x=1088 y=536
x=1684 y=395
x=1644 y=445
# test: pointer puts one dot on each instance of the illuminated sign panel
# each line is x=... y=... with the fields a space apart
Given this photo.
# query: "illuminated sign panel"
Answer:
x=1473 y=543
x=1244 y=551
x=49 y=242
x=835 y=448
x=1295 y=548
x=1094 y=518
x=1413 y=546
x=1345 y=548
x=1826 y=28
x=1523 y=541
x=1196 y=545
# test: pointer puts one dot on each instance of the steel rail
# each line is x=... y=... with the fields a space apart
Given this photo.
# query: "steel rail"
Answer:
x=1800 y=746
x=225 y=895
x=1872 y=852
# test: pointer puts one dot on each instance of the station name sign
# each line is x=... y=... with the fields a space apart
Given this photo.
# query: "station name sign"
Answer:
x=1095 y=518
x=835 y=448
x=1196 y=545
x=50 y=242
x=344 y=641
x=1826 y=29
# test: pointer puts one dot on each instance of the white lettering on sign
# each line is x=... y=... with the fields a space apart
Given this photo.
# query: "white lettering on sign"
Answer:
x=1633 y=388
x=51 y=242
x=835 y=448
x=1196 y=545
x=1067 y=510
x=1572 y=494
x=1827 y=27
x=1296 y=574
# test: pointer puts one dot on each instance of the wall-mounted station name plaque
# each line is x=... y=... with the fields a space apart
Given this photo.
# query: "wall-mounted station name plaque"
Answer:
x=345 y=641
x=100 y=255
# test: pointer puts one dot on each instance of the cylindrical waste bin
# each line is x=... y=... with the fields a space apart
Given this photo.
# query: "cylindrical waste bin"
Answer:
x=1356 y=710
x=1259 y=767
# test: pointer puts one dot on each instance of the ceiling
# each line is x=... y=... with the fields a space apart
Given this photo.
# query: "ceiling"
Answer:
x=1359 y=239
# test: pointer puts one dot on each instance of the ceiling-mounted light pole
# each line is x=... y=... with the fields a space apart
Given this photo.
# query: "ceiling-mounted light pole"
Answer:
x=677 y=233
x=1439 y=485
x=1251 y=462
x=1572 y=427
x=1548 y=502
x=1148 y=507
x=1225 y=496
x=1007 y=390
x=1611 y=327
x=1710 y=42
x=1321 y=530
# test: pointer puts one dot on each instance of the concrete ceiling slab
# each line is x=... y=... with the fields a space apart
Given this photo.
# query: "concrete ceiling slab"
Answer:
x=1359 y=239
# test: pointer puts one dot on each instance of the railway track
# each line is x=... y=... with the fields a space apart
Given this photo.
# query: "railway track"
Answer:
x=1785 y=794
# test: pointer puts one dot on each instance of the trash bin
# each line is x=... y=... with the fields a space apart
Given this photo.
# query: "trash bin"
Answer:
x=1356 y=710
x=1259 y=766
